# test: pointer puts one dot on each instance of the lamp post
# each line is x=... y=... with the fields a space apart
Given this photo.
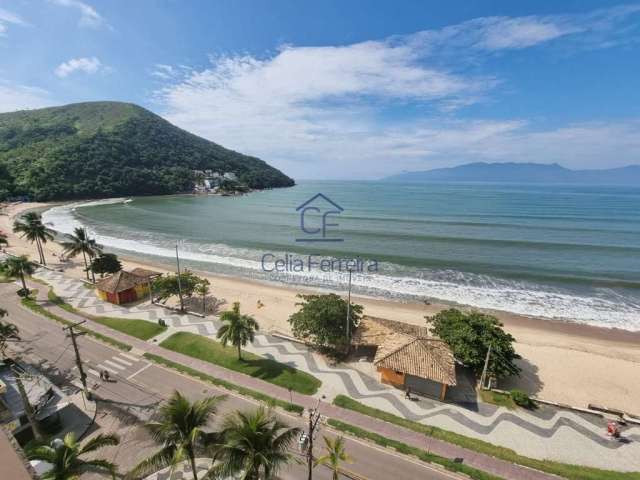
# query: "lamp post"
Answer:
x=179 y=282
x=349 y=314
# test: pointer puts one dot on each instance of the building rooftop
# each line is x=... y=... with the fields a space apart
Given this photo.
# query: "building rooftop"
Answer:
x=373 y=331
x=121 y=281
x=429 y=358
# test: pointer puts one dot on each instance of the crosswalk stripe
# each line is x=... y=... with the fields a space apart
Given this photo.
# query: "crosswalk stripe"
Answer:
x=124 y=362
x=130 y=357
x=93 y=372
x=114 y=364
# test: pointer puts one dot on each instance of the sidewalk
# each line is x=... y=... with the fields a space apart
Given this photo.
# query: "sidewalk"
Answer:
x=483 y=462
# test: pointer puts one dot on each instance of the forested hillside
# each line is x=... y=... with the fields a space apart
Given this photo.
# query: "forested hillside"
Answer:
x=103 y=149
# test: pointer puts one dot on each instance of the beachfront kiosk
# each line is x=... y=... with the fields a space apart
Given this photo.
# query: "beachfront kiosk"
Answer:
x=124 y=287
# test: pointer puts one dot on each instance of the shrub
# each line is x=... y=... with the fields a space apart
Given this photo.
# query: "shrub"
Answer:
x=522 y=399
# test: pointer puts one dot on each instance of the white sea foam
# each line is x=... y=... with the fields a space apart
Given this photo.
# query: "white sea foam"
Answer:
x=613 y=311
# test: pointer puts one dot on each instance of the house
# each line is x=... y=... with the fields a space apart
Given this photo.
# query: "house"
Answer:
x=423 y=365
x=373 y=331
x=125 y=287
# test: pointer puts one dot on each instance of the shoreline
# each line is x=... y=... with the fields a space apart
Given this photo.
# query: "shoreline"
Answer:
x=561 y=359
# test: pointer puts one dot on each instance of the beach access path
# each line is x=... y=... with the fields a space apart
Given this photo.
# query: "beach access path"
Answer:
x=547 y=433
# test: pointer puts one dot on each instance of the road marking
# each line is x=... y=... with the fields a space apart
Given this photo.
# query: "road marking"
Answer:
x=93 y=372
x=139 y=371
x=130 y=357
x=124 y=362
x=114 y=364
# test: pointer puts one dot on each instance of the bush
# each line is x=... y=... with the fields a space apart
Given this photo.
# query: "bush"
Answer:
x=522 y=399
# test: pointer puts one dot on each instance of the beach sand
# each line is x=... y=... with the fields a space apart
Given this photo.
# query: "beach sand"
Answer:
x=562 y=361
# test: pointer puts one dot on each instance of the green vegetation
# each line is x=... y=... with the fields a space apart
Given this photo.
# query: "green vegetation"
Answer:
x=571 y=472
x=30 y=226
x=522 y=399
x=321 y=321
x=141 y=329
x=409 y=450
x=167 y=285
x=8 y=333
x=107 y=149
x=80 y=243
x=180 y=431
x=105 y=263
x=266 y=369
x=31 y=304
x=18 y=267
x=238 y=329
x=497 y=398
x=261 y=397
x=470 y=334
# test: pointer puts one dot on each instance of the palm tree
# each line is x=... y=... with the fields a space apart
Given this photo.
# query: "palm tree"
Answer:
x=238 y=329
x=8 y=332
x=203 y=289
x=81 y=243
x=65 y=457
x=334 y=456
x=180 y=431
x=30 y=226
x=18 y=267
x=253 y=445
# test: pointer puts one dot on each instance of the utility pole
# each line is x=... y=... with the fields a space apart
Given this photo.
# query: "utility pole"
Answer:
x=307 y=438
x=349 y=315
x=179 y=282
x=83 y=376
x=28 y=409
x=483 y=377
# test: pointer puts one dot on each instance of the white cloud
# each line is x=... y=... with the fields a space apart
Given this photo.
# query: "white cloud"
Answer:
x=21 y=97
x=89 y=16
x=85 y=64
x=7 y=17
x=329 y=111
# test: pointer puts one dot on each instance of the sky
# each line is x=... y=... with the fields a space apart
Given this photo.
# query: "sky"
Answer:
x=347 y=89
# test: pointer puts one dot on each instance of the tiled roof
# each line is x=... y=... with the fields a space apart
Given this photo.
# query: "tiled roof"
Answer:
x=145 y=273
x=119 y=282
x=373 y=331
x=428 y=358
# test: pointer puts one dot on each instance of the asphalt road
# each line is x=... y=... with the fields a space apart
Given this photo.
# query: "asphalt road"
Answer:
x=139 y=386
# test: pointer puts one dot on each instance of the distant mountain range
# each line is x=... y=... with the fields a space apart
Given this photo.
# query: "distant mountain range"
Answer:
x=109 y=149
x=523 y=173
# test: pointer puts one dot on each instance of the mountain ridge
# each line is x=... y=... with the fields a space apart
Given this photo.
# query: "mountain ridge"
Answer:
x=110 y=149
x=503 y=172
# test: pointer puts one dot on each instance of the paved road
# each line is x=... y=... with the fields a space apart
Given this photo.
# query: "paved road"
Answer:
x=140 y=386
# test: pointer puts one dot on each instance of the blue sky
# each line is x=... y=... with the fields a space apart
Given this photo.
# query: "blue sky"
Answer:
x=347 y=89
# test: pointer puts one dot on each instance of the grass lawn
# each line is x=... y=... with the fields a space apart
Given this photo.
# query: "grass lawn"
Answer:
x=497 y=398
x=409 y=450
x=266 y=369
x=141 y=329
x=571 y=472
x=291 y=407
x=31 y=304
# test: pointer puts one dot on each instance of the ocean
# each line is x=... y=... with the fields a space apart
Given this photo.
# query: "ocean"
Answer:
x=559 y=252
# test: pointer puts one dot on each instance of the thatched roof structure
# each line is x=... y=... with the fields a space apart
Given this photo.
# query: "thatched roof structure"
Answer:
x=373 y=331
x=119 y=282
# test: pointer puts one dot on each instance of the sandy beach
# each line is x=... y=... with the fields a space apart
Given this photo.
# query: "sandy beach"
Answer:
x=562 y=361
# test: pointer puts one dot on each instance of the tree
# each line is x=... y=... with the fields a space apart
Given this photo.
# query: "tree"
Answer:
x=30 y=226
x=254 y=445
x=167 y=285
x=238 y=329
x=202 y=289
x=180 y=432
x=8 y=332
x=79 y=243
x=105 y=263
x=335 y=455
x=322 y=320
x=66 y=456
x=3 y=239
x=19 y=267
x=469 y=336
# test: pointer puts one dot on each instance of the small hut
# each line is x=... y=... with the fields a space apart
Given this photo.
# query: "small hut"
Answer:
x=124 y=287
x=424 y=365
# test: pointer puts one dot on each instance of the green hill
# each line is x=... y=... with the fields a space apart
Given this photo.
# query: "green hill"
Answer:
x=104 y=149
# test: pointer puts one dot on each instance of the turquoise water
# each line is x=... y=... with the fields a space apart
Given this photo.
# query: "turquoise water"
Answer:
x=560 y=252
